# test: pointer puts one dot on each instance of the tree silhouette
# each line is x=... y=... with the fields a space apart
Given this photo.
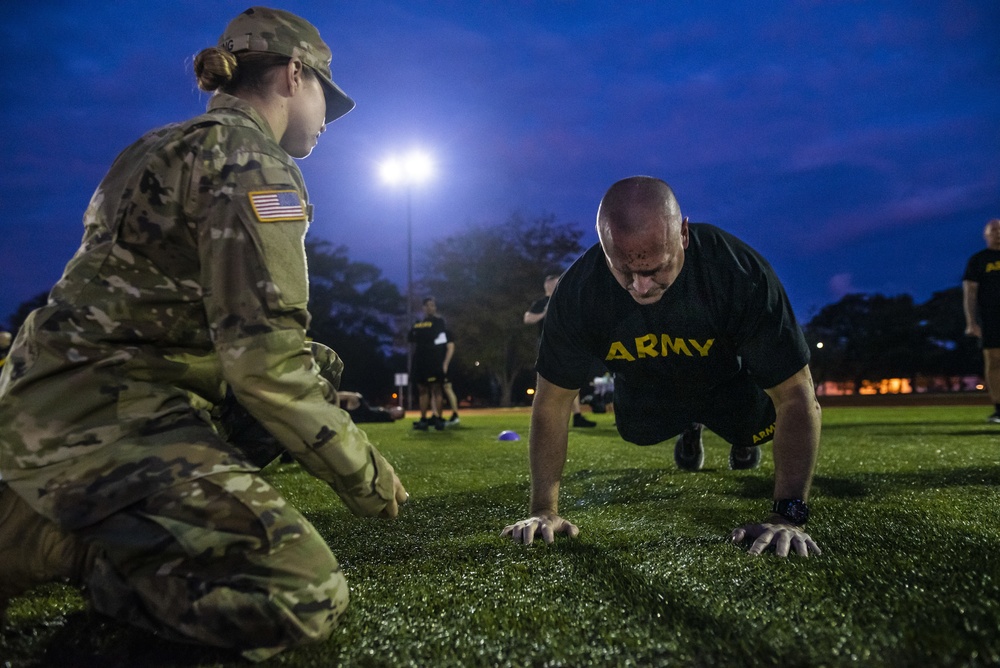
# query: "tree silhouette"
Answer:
x=950 y=351
x=356 y=312
x=869 y=337
x=483 y=281
x=17 y=318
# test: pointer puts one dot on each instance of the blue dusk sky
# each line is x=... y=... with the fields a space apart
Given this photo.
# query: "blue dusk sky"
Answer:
x=855 y=144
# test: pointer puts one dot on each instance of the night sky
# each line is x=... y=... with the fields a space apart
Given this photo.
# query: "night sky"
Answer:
x=855 y=144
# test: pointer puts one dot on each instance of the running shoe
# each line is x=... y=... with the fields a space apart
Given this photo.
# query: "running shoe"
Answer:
x=689 y=453
x=744 y=458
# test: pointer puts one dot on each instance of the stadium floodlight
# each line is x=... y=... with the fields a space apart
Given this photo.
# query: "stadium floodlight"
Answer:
x=411 y=169
x=408 y=170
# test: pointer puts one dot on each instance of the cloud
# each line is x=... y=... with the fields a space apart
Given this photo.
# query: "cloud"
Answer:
x=840 y=285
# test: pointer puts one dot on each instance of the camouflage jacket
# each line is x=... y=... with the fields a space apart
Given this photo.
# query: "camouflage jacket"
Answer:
x=191 y=275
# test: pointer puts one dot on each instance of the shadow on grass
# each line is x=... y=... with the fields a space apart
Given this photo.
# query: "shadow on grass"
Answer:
x=837 y=426
x=854 y=486
x=448 y=519
x=444 y=526
x=657 y=597
x=89 y=640
x=866 y=484
x=621 y=486
x=994 y=433
x=663 y=598
x=667 y=609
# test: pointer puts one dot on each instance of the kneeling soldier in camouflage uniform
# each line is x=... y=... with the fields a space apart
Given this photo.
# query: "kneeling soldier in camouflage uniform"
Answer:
x=190 y=280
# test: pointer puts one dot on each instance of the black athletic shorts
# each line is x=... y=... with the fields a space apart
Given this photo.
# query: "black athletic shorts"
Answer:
x=428 y=372
x=739 y=411
x=991 y=331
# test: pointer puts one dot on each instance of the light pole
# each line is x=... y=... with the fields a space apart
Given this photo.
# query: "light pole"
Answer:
x=408 y=170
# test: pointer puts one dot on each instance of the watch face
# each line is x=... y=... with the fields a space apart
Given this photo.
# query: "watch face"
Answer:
x=794 y=510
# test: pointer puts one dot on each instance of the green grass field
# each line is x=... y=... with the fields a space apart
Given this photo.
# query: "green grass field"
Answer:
x=906 y=506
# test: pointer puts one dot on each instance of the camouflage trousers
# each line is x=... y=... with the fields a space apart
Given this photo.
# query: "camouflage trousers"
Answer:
x=221 y=560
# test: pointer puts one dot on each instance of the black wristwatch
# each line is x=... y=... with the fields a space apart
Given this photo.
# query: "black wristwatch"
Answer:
x=795 y=511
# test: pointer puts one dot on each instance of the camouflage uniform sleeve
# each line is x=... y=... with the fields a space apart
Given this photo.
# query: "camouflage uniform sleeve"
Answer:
x=256 y=290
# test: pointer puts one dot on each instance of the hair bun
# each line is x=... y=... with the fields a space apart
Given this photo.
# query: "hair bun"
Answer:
x=214 y=67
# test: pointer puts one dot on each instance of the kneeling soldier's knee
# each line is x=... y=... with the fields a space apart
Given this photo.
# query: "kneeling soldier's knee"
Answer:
x=308 y=595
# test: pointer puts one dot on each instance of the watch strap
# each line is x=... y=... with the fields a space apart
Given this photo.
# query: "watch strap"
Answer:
x=796 y=511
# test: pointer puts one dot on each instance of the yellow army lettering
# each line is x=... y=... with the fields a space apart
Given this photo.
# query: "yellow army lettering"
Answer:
x=761 y=435
x=646 y=346
x=993 y=266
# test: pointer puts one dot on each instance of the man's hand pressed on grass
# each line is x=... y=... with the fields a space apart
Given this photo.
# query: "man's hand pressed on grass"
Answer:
x=781 y=535
x=547 y=445
x=544 y=526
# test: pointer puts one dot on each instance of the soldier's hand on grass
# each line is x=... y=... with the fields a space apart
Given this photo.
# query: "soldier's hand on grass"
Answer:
x=400 y=496
x=545 y=525
x=782 y=536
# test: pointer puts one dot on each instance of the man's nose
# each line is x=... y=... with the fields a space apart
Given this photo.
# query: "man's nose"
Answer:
x=642 y=284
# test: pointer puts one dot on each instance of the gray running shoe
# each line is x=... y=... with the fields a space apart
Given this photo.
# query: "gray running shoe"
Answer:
x=689 y=453
x=744 y=458
x=994 y=419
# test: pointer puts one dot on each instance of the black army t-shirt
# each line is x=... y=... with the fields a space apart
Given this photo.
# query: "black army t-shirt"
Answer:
x=984 y=268
x=431 y=339
x=726 y=314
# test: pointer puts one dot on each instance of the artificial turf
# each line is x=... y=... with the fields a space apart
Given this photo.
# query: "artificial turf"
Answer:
x=905 y=506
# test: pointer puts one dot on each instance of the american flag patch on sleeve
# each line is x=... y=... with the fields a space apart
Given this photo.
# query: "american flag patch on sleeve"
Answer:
x=276 y=205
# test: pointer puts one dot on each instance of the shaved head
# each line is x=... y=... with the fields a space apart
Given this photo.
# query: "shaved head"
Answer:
x=643 y=236
x=633 y=204
x=992 y=234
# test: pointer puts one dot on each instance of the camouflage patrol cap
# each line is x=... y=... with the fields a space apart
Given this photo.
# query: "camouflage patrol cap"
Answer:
x=284 y=33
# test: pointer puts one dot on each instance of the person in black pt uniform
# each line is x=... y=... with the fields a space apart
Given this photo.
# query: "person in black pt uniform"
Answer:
x=981 y=291
x=535 y=315
x=431 y=355
x=696 y=328
x=446 y=386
